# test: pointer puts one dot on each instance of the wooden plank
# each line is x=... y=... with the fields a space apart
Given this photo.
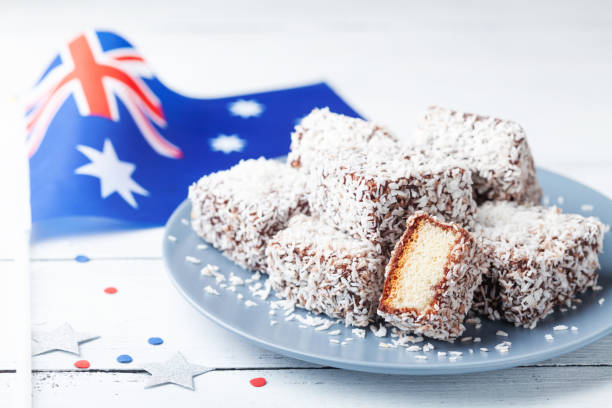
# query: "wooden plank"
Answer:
x=148 y=305
x=524 y=387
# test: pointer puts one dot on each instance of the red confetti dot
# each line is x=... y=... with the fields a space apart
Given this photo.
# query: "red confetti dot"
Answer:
x=82 y=364
x=258 y=382
x=110 y=290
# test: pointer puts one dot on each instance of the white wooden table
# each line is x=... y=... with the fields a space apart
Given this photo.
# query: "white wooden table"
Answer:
x=546 y=65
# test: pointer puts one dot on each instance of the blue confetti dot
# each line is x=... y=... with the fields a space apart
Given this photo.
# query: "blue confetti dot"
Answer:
x=156 y=341
x=124 y=359
x=81 y=258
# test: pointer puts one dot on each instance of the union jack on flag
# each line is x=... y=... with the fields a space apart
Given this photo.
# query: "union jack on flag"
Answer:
x=97 y=77
x=103 y=133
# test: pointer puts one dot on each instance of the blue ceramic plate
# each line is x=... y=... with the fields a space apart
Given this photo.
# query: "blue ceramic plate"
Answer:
x=592 y=318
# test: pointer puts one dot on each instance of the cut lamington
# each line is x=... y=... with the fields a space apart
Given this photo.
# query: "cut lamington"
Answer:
x=539 y=258
x=325 y=132
x=495 y=150
x=239 y=209
x=430 y=279
x=325 y=271
x=369 y=194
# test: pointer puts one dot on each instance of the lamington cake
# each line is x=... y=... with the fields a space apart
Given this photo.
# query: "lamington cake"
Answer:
x=495 y=150
x=431 y=277
x=325 y=132
x=538 y=258
x=323 y=270
x=369 y=194
x=239 y=209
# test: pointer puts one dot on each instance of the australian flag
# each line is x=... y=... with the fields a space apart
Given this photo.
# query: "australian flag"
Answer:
x=107 y=139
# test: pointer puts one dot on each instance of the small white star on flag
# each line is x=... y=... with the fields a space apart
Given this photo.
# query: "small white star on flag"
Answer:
x=245 y=108
x=227 y=143
x=115 y=175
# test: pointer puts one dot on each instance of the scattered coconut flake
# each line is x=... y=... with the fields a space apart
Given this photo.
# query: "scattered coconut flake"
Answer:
x=386 y=345
x=501 y=333
x=303 y=326
x=334 y=332
x=239 y=296
x=478 y=326
x=574 y=307
x=466 y=339
x=349 y=339
x=564 y=309
x=361 y=333
x=381 y=331
x=273 y=322
x=441 y=353
x=326 y=325
x=597 y=288
x=202 y=247
x=428 y=347
x=577 y=300
x=235 y=280
x=413 y=348
x=560 y=327
x=471 y=351
x=343 y=343
x=477 y=339
x=255 y=277
x=453 y=358
x=455 y=353
x=420 y=357
x=265 y=291
x=473 y=320
x=171 y=238
x=484 y=349
x=211 y=290
x=231 y=288
x=208 y=270
x=290 y=317
x=249 y=303
x=184 y=221
x=549 y=337
x=601 y=301
x=560 y=200
x=587 y=207
x=574 y=328
x=192 y=259
x=335 y=341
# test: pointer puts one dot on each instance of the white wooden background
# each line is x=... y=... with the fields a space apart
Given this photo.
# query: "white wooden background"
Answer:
x=545 y=64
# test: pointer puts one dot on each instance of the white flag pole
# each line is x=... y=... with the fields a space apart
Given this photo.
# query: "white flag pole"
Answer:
x=23 y=224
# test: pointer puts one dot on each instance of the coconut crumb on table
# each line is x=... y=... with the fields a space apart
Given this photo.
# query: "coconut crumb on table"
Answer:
x=413 y=348
x=501 y=333
x=334 y=332
x=574 y=328
x=386 y=345
x=171 y=238
x=334 y=341
x=202 y=247
x=549 y=337
x=560 y=327
x=601 y=301
x=249 y=303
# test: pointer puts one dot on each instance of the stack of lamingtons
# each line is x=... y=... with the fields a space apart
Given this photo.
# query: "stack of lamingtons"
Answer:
x=361 y=226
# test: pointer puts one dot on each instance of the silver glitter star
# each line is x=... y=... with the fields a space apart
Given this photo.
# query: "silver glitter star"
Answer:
x=177 y=370
x=63 y=338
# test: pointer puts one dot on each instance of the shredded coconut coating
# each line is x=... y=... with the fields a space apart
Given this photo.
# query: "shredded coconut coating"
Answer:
x=538 y=258
x=495 y=150
x=323 y=270
x=443 y=318
x=369 y=194
x=240 y=209
x=325 y=132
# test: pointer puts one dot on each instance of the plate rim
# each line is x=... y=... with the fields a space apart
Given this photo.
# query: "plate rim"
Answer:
x=416 y=369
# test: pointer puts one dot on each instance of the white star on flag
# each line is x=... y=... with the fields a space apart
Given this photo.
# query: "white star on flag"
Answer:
x=115 y=175
x=227 y=143
x=245 y=108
